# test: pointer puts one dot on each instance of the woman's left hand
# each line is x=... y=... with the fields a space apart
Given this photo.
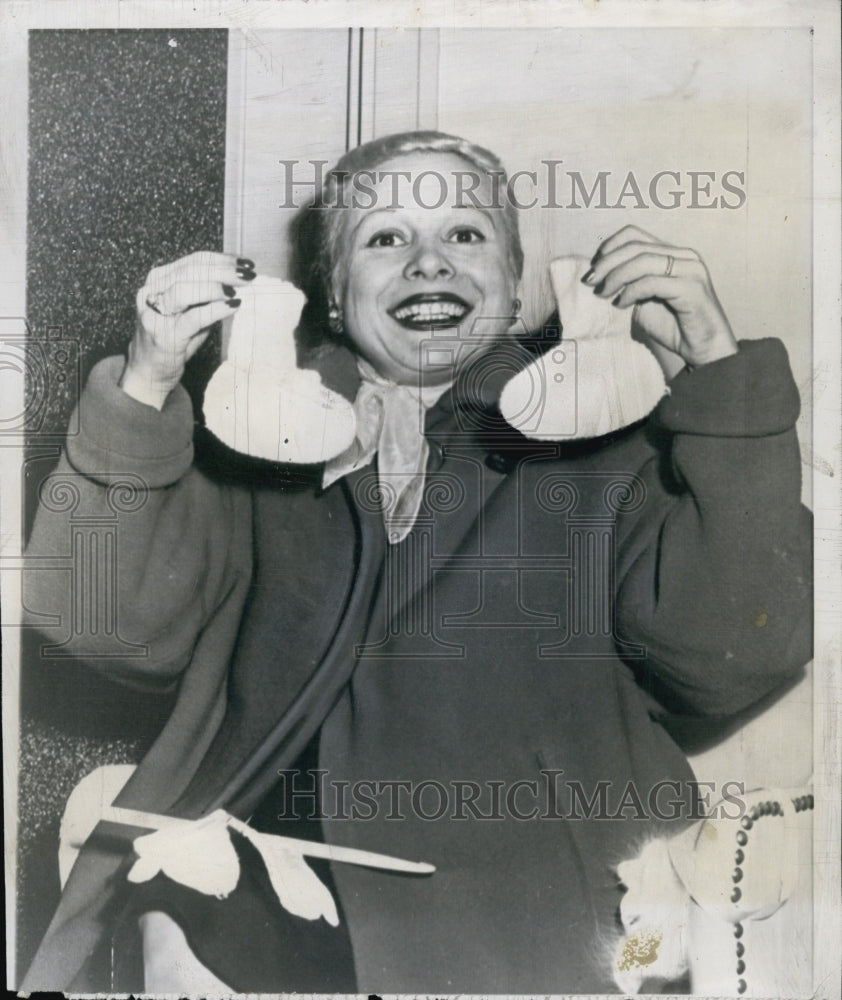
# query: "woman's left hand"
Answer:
x=670 y=288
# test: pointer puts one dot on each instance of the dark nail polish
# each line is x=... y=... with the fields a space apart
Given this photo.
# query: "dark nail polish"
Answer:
x=246 y=274
x=600 y=288
x=587 y=277
x=245 y=262
x=233 y=303
x=228 y=291
x=616 y=300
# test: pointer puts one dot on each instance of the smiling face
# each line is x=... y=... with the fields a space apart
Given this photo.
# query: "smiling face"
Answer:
x=412 y=273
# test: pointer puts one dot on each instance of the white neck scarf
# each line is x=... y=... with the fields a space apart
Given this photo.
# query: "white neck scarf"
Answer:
x=390 y=424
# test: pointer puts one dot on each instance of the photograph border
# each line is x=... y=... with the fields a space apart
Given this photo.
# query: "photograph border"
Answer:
x=822 y=16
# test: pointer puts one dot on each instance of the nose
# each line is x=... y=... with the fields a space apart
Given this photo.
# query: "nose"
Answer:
x=430 y=262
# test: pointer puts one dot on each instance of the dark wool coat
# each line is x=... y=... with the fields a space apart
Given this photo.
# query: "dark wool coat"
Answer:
x=553 y=608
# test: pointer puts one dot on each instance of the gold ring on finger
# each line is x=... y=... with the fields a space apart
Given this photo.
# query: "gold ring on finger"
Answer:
x=670 y=265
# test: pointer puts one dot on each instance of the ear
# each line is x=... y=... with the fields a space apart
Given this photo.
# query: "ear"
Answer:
x=335 y=286
x=517 y=302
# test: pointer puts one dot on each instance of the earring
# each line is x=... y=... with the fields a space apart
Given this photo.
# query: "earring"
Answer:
x=516 y=307
x=334 y=318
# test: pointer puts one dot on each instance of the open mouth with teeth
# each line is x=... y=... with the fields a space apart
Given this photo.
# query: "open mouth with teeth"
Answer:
x=431 y=311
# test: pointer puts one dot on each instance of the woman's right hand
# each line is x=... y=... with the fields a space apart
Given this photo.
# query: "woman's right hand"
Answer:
x=175 y=310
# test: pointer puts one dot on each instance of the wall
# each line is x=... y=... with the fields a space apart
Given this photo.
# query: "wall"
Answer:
x=126 y=171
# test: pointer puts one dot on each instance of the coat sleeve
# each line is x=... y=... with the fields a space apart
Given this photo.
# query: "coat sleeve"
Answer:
x=132 y=548
x=720 y=594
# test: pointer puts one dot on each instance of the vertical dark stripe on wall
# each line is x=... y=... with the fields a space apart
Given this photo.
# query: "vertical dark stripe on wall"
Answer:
x=126 y=171
x=418 y=80
x=360 y=91
x=348 y=90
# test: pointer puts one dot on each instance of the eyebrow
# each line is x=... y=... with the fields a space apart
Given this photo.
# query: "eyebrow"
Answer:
x=369 y=212
x=367 y=215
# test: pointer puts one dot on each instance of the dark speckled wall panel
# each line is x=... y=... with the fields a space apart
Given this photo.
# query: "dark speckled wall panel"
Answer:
x=126 y=170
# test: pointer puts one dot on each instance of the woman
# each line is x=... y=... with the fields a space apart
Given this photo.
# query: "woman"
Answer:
x=400 y=620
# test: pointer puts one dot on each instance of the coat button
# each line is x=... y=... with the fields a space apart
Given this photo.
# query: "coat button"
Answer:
x=498 y=462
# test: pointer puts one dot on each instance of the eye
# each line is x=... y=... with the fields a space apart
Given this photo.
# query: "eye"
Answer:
x=466 y=234
x=387 y=238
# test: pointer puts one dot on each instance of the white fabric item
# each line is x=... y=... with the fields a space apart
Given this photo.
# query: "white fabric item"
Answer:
x=198 y=854
x=258 y=401
x=83 y=810
x=656 y=922
x=679 y=909
x=296 y=885
x=390 y=423
x=204 y=859
x=704 y=862
x=597 y=380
